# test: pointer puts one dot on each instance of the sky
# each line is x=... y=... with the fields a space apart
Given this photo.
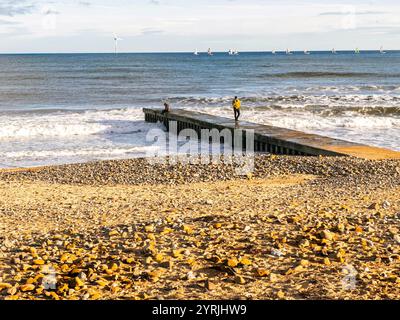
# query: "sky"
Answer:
x=38 y=26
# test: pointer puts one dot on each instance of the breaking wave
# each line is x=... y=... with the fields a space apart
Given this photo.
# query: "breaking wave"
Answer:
x=73 y=123
x=328 y=74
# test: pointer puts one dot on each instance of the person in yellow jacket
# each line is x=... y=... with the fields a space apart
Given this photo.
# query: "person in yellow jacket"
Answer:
x=236 y=104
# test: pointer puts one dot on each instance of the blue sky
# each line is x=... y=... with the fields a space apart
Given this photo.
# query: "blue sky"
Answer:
x=183 y=25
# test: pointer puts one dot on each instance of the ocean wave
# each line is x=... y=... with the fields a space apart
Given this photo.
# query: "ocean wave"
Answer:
x=63 y=111
x=302 y=119
x=328 y=74
x=61 y=124
x=40 y=111
x=383 y=104
x=331 y=111
x=371 y=111
x=104 y=134
x=103 y=77
x=353 y=88
x=356 y=123
x=327 y=111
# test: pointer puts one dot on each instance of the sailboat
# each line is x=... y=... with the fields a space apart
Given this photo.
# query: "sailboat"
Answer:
x=274 y=51
x=236 y=53
x=196 y=53
x=288 y=51
x=334 y=51
x=381 y=50
x=209 y=52
x=357 y=51
x=306 y=52
x=230 y=52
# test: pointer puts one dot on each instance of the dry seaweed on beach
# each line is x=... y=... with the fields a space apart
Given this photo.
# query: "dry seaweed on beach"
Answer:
x=297 y=228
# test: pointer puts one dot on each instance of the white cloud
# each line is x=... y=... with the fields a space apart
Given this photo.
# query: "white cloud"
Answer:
x=181 y=25
x=15 y=7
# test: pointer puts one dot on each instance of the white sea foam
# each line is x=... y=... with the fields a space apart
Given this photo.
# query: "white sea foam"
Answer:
x=300 y=99
x=37 y=138
x=61 y=124
x=92 y=152
x=303 y=119
x=376 y=130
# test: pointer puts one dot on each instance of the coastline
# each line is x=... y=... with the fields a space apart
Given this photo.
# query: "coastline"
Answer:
x=124 y=229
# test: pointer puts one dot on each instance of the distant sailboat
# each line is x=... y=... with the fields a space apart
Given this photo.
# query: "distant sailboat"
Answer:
x=196 y=53
x=306 y=52
x=209 y=52
x=288 y=51
x=382 y=51
x=230 y=52
x=273 y=51
x=236 y=53
x=357 y=51
x=334 y=51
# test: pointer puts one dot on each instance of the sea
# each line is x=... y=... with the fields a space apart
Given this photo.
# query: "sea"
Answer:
x=69 y=108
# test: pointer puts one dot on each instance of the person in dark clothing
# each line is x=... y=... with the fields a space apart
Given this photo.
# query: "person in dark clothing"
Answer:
x=166 y=108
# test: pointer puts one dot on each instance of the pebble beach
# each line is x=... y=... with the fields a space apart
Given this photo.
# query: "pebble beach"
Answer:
x=295 y=228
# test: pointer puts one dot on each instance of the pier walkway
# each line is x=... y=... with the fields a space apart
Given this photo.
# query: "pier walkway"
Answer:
x=272 y=139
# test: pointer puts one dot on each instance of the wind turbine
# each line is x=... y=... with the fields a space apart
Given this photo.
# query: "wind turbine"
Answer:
x=116 y=39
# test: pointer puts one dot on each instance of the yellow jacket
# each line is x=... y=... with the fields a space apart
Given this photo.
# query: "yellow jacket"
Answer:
x=236 y=104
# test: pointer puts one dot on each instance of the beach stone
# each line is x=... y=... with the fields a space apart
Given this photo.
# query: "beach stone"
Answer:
x=276 y=252
x=7 y=244
x=386 y=204
x=326 y=234
x=304 y=263
x=245 y=261
x=12 y=291
x=39 y=262
x=280 y=294
x=273 y=277
x=283 y=212
x=240 y=280
x=190 y=275
x=262 y=272
x=5 y=286
x=167 y=264
x=373 y=206
x=209 y=285
x=27 y=287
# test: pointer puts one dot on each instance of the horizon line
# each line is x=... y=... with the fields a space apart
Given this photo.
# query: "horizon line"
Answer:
x=191 y=52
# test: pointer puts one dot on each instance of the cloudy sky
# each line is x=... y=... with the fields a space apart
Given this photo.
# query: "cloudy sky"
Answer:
x=183 y=25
